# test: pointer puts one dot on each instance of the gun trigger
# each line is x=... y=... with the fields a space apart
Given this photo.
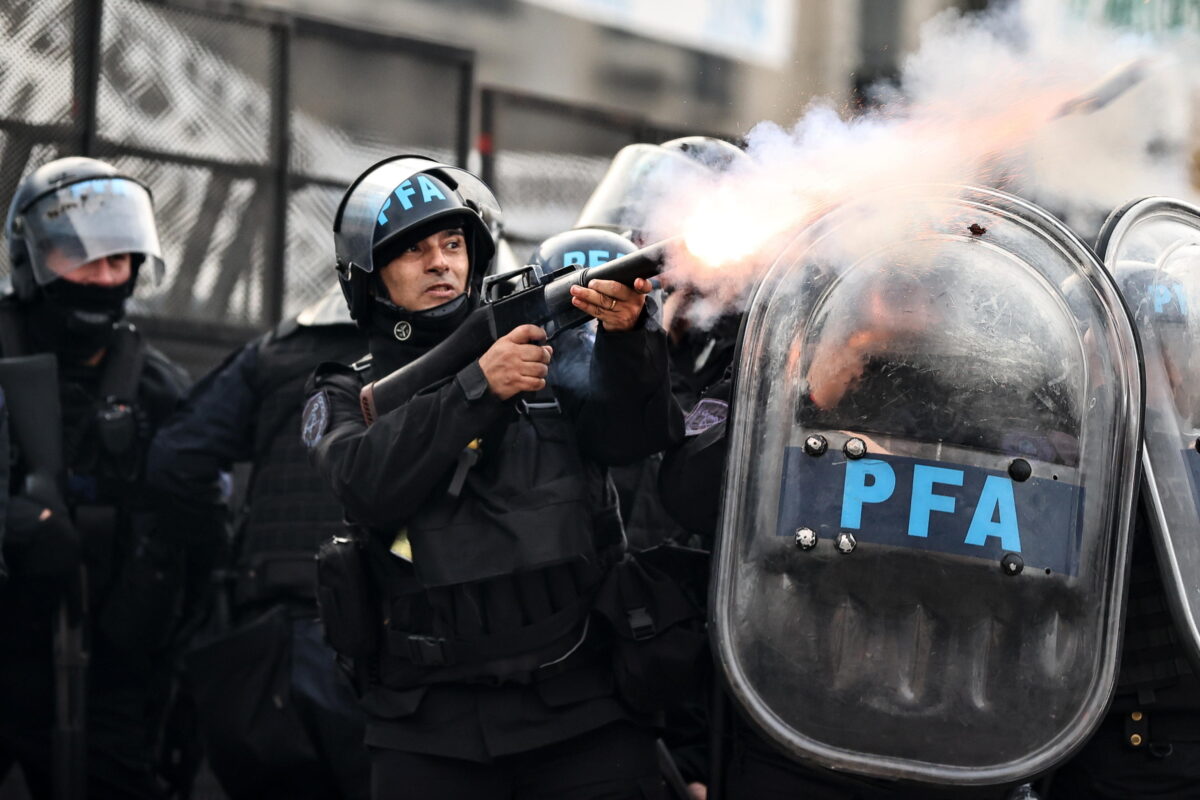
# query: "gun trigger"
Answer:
x=468 y=458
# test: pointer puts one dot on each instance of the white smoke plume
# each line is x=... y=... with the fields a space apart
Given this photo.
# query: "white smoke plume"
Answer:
x=1075 y=116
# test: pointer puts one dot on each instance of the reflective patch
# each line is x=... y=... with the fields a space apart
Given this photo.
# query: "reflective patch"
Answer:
x=316 y=419
x=707 y=413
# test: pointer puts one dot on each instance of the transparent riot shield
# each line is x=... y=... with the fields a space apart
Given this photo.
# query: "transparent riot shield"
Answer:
x=922 y=550
x=1152 y=246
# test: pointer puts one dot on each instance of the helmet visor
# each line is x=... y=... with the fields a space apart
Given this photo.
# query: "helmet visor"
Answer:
x=639 y=177
x=89 y=220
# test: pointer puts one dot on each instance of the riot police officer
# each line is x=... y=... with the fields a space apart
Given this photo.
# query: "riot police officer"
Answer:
x=269 y=654
x=889 y=399
x=80 y=236
x=1149 y=742
x=482 y=519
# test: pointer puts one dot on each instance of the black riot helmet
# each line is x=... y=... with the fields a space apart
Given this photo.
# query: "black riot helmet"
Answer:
x=629 y=196
x=579 y=248
x=398 y=202
x=72 y=211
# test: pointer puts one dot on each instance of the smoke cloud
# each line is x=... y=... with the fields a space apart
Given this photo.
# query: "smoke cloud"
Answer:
x=1074 y=116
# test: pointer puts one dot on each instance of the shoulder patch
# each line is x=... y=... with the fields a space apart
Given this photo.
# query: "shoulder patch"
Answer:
x=316 y=419
x=707 y=413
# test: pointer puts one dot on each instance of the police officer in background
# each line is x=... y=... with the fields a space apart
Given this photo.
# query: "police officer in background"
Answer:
x=80 y=235
x=482 y=519
x=1148 y=745
x=306 y=739
x=849 y=363
x=628 y=200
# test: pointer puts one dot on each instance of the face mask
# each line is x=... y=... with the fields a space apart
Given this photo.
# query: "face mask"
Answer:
x=76 y=320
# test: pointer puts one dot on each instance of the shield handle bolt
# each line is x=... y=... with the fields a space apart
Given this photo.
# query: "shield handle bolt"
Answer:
x=806 y=538
x=816 y=445
x=1019 y=470
x=854 y=448
x=846 y=543
x=1012 y=564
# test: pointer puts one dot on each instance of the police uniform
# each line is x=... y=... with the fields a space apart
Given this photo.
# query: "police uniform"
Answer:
x=307 y=742
x=135 y=557
x=1149 y=743
x=480 y=662
x=480 y=530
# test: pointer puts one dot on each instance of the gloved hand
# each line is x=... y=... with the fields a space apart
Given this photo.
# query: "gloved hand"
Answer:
x=40 y=541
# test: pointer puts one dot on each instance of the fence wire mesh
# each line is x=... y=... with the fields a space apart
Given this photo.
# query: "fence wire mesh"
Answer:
x=247 y=131
x=414 y=107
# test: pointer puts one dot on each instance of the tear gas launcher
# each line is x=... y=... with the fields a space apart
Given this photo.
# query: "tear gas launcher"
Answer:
x=542 y=299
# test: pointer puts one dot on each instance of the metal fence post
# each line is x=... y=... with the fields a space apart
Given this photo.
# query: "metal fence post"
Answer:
x=275 y=279
x=487 y=137
x=89 y=16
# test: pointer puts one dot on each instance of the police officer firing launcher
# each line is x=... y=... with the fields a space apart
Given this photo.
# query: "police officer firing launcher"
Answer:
x=481 y=514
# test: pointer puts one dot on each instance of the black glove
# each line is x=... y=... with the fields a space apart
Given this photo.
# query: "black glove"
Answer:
x=39 y=541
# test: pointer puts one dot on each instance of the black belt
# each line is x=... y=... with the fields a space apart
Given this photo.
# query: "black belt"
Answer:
x=435 y=651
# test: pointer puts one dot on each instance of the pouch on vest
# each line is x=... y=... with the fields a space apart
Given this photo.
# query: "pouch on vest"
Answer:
x=659 y=649
x=527 y=504
x=343 y=598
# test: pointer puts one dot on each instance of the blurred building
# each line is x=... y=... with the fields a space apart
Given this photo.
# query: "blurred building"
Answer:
x=715 y=66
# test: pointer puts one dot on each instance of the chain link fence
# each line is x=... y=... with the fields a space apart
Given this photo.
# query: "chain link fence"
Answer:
x=544 y=157
x=247 y=130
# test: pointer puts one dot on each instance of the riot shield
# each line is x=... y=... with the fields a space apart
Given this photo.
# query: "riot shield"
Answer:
x=923 y=544
x=1152 y=247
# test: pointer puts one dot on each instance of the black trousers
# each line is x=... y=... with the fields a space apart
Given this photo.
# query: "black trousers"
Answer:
x=277 y=717
x=120 y=729
x=616 y=762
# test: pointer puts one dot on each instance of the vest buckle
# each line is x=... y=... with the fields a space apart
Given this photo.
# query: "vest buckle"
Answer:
x=534 y=408
x=640 y=623
x=427 y=651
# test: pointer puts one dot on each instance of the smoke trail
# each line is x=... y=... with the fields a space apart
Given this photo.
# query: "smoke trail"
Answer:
x=1076 y=117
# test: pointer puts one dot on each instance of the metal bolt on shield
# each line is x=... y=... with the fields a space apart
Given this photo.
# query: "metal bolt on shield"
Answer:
x=816 y=445
x=806 y=538
x=846 y=542
x=855 y=448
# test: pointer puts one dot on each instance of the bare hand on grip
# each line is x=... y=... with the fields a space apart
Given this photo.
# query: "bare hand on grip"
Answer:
x=513 y=364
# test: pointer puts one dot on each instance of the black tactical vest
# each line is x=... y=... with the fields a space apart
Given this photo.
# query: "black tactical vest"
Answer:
x=1154 y=669
x=289 y=508
x=506 y=558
